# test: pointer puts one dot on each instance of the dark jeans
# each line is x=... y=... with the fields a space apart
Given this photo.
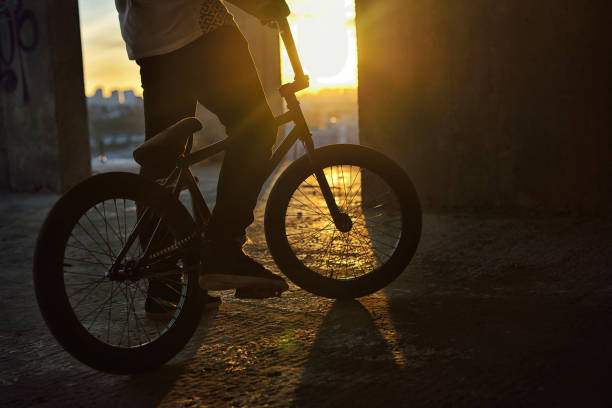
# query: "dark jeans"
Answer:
x=216 y=70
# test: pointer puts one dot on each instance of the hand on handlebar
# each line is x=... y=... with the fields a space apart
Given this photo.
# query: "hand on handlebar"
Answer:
x=273 y=11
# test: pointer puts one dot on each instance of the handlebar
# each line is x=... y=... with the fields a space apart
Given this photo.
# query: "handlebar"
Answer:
x=301 y=80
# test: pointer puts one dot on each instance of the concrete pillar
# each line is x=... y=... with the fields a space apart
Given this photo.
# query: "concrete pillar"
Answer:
x=491 y=104
x=44 y=141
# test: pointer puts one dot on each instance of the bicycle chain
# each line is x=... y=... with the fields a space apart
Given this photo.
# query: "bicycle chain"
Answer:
x=174 y=247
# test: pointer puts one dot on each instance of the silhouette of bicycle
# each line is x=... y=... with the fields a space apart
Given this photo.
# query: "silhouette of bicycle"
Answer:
x=342 y=221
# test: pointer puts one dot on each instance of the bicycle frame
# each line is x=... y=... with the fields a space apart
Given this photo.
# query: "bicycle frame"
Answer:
x=299 y=132
x=184 y=177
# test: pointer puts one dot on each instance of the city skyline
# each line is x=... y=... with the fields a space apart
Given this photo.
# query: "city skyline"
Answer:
x=116 y=96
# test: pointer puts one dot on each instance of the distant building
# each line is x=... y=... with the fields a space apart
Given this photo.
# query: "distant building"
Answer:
x=97 y=99
x=114 y=98
x=131 y=99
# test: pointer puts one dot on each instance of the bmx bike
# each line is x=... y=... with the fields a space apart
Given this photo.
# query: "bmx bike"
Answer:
x=342 y=221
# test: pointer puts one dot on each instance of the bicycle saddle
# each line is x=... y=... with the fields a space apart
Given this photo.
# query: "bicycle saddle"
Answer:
x=164 y=148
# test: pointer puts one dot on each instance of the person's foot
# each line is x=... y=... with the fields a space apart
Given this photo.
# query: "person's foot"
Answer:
x=210 y=302
x=227 y=267
x=162 y=299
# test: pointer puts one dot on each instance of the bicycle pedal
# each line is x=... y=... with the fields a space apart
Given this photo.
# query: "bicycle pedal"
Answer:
x=256 y=292
x=172 y=184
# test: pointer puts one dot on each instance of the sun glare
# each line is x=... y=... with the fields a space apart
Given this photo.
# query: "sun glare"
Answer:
x=324 y=32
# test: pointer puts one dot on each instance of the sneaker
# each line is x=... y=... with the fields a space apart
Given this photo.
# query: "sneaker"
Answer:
x=227 y=267
x=162 y=299
x=210 y=302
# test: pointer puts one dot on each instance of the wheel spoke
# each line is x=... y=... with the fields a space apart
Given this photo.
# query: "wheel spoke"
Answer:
x=110 y=313
x=363 y=240
x=155 y=322
x=99 y=309
x=343 y=183
x=376 y=240
x=136 y=318
x=118 y=223
x=105 y=241
x=121 y=304
x=91 y=251
x=124 y=220
x=96 y=283
x=107 y=226
x=86 y=262
x=305 y=196
x=81 y=273
x=370 y=243
x=85 y=246
x=316 y=233
x=379 y=230
x=346 y=204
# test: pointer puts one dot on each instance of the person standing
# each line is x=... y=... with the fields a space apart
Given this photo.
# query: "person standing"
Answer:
x=191 y=51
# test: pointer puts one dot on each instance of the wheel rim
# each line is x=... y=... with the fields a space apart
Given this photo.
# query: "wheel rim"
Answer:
x=374 y=211
x=113 y=311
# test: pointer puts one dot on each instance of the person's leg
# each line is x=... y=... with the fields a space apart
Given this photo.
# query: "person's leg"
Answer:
x=229 y=86
x=227 y=83
x=168 y=97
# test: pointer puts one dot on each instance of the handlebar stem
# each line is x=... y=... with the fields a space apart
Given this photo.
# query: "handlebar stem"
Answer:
x=301 y=80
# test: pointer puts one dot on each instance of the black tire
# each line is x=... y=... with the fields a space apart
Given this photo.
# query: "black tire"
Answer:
x=300 y=232
x=87 y=312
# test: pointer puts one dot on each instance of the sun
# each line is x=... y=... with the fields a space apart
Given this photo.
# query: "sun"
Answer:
x=324 y=32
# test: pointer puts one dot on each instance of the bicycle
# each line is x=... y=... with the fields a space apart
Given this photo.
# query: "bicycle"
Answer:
x=342 y=221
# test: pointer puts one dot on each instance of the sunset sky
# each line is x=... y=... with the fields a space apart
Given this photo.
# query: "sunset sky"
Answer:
x=324 y=31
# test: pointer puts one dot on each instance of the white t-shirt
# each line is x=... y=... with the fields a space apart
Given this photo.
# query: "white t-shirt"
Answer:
x=155 y=27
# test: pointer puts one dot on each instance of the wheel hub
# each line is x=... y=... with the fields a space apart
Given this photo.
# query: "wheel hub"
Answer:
x=122 y=272
x=343 y=222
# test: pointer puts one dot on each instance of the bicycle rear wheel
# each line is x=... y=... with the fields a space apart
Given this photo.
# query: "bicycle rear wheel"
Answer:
x=97 y=316
x=385 y=216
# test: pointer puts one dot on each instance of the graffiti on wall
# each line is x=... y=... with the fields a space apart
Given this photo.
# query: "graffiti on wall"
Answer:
x=18 y=35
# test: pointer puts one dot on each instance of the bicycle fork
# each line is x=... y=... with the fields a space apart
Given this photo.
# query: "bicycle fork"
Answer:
x=341 y=220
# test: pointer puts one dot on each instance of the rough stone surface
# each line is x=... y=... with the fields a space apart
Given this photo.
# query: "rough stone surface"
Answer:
x=491 y=104
x=494 y=310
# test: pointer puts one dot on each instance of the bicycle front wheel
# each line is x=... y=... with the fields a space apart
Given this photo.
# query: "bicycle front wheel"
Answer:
x=100 y=317
x=381 y=203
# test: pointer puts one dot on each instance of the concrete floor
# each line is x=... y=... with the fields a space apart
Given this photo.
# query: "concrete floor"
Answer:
x=494 y=310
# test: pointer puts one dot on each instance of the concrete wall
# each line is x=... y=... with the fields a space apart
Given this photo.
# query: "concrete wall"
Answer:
x=43 y=135
x=492 y=104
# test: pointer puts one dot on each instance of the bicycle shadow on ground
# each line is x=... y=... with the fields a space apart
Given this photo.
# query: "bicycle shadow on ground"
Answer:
x=62 y=381
x=349 y=363
x=150 y=389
